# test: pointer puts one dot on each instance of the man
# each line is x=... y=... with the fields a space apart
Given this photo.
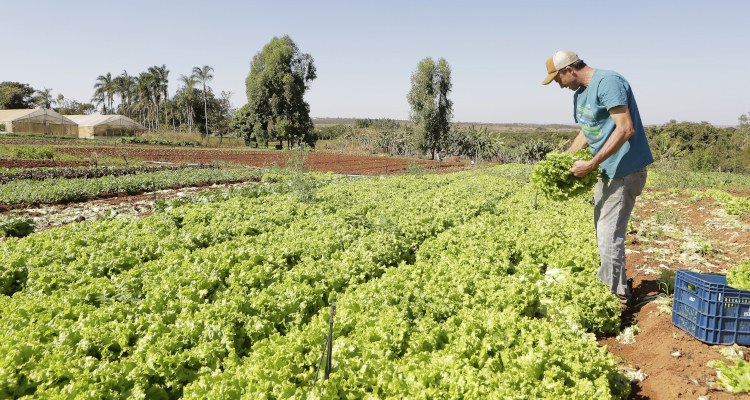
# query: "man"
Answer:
x=605 y=109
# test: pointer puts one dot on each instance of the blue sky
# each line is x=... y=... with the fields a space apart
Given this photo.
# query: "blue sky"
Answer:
x=686 y=60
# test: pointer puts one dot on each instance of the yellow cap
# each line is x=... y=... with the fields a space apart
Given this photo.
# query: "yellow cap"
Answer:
x=558 y=61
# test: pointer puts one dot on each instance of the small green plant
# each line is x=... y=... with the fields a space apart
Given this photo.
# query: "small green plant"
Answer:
x=414 y=168
x=666 y=216
x=33 y=152
x=295 y=161
x=17 y=227
x=666 y=281
x=2 y=127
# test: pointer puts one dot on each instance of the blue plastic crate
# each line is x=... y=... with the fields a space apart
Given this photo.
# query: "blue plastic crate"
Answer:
x=710 y=310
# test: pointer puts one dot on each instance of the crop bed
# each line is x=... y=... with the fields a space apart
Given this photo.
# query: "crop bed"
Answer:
x=439 y=294
x=16 y=163
x=318 y=161
x=40 y=174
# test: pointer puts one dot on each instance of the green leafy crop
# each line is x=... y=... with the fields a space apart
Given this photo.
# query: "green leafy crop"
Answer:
x=739 y=276
x=552 y=176
x=439 y=294
x=16 y=227
x=733 y=378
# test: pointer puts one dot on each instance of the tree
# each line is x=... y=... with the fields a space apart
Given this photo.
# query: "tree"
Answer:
x=204 y=75
x=744 y=130
x=15 y=95
x=242 y=125
x=744 y=121
x=431 y=110
x=125 y=87
x=104 y=91
x=159 y=84
x=279 y=77
x=66 y=106
x=188 y=89
x=221 y=114
x=43 y=98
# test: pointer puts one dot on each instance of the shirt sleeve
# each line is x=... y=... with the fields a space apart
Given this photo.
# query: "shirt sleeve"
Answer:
x=613 y=91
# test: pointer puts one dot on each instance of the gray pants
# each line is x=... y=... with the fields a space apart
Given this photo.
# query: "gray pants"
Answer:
x=614 y=200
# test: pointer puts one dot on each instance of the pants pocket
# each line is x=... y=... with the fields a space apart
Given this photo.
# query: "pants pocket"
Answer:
x=635 y=182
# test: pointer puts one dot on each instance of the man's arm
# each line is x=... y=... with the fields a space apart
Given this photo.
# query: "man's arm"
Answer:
x=623 y=131
x=578 y=143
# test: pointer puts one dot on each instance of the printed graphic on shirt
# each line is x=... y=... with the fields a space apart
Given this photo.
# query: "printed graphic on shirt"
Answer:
x=588 y=124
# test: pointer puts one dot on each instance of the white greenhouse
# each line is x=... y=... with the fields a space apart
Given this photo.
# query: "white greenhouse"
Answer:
x=37 y=120
x=95 y=125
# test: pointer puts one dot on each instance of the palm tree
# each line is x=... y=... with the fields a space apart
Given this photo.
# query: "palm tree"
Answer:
x=60 y=101
x=43 y=98
x=189 y=86
x=125 y=86
x=204 y=75
x=105 y=87
x=160 y=85
x=144 y=98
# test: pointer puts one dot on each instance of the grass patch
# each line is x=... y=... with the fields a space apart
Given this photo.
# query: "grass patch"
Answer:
x=664 y=178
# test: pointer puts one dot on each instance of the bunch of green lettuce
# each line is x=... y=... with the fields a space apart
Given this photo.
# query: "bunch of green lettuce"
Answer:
x=16 y=227
x=552 y=176
x=739 y=276
x=733 y=378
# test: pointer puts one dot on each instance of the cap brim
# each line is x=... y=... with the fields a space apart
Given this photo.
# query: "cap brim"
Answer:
x=549 y=78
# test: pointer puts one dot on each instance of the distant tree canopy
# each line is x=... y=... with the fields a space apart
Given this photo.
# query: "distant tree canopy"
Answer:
x=145 y=98
x=382 y=123
x=431 y=110
x=15 y=95
x=701 y=146
x=280 y=75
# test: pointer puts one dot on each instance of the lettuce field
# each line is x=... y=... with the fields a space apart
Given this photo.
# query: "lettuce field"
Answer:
x=446 y=286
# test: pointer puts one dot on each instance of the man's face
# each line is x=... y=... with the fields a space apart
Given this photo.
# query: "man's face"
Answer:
x=566 y=79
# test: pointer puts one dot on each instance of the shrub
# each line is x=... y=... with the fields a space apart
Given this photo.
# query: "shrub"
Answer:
x=33 y=153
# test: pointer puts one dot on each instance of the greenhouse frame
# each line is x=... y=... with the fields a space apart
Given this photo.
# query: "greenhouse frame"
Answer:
x=37 y=120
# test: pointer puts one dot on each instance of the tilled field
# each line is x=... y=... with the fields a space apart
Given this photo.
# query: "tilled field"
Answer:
x=15 y=163
x=324 y=162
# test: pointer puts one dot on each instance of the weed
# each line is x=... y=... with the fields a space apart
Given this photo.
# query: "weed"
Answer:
x=666 y=281
x=415 y=168
x=30 y=152
x=666 y=216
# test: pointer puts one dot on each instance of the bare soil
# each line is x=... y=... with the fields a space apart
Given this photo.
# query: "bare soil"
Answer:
x=671 y=232
x=16 y=163
x=318 y=161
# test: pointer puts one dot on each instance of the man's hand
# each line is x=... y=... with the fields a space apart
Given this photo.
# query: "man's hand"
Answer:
x=582 y=168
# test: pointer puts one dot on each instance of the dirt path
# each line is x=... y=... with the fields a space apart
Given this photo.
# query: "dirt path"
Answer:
x=676 y=231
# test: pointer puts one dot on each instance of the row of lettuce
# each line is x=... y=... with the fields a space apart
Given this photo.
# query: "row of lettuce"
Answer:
x=452 y=286
x=29 y=191
x=89 y=172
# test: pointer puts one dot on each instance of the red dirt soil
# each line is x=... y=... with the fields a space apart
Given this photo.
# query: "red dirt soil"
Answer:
x=673 y=360
x=319 y=161
x=15 y=163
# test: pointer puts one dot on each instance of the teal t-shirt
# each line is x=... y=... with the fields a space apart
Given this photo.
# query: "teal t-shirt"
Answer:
x=606 y=90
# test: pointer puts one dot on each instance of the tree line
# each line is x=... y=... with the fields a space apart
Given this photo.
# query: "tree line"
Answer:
x=143 y=97
x=280 y=74
x=276 y=112
x=17 y=95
